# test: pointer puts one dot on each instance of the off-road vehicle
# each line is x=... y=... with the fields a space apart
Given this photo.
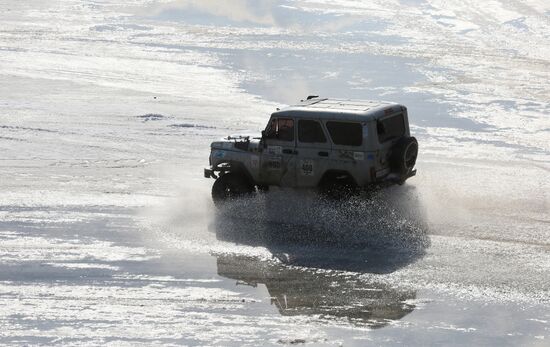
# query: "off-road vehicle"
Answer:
x=338 y=146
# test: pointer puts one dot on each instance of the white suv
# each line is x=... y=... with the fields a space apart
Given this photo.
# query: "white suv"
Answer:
x=338 y=146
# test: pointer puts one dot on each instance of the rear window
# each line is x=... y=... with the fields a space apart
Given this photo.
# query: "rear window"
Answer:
x=345 y=133
x=310 y=131
x=390 y=128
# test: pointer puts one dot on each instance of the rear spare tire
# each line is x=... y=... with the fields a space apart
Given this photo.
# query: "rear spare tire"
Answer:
x=230 y=186
x=403 y=156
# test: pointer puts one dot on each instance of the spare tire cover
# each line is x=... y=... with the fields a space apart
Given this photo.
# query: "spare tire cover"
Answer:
x=404 y=154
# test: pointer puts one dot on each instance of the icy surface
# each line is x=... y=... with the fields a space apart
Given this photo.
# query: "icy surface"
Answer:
x=107 y=232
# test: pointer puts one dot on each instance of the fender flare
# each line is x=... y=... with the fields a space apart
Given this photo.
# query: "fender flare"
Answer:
x=234 y=167
x=336 y=174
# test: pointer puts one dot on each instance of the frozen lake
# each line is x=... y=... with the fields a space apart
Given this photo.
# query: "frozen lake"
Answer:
x=107 y=230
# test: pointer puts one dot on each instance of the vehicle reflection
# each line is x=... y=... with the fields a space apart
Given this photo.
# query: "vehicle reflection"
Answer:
x=323 y=252
x=329 y=296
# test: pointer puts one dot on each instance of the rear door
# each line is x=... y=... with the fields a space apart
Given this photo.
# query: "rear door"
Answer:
x=389 y=129
x=347 y=152
x=313 y=147
x=278 y=159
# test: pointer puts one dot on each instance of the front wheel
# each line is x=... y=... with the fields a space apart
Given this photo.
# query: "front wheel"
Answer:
x=230 y=186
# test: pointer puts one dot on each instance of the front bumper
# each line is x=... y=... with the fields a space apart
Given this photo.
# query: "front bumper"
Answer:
x=209 y=173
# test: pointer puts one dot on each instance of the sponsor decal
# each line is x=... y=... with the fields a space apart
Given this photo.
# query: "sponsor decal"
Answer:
x=274 y=150
x=346 y=154
x=365 y=130
x=306 y=167
x=359 y=156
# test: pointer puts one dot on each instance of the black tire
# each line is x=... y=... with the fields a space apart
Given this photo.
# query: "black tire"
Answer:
x=262 y=188
x=403 y=156
x=338 y=188
x=230 y=186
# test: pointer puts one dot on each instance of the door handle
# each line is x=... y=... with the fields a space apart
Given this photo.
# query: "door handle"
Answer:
x=289 y=151
x=323 y=154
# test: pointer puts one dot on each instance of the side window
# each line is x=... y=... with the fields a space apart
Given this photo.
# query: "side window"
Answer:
x=285 y=129
x=310 y=131
x=390 y=128
x=271 y=130
x=345 y=133
x=281 y=129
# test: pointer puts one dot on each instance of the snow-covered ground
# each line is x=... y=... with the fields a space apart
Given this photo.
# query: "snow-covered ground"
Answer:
x=107 y=232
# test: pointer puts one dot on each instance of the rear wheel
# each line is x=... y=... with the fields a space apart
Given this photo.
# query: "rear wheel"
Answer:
x=338 y=187
x=230 y=186
x=263 y=188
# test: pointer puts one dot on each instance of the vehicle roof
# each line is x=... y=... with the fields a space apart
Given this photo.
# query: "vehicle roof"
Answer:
x=344 y=109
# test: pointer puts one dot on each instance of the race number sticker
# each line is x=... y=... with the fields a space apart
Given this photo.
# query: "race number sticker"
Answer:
x=274 y=150
x=254 y=161
x=306 y=167
x=274 y=163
